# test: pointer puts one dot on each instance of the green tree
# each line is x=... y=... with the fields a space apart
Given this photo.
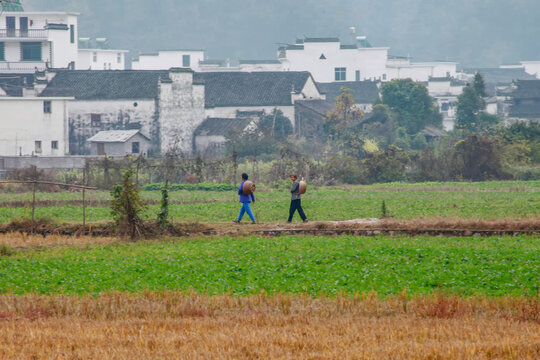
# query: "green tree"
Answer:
x=479 y=85
x=276 y=125
x=470 y=117
x=345 y=114
x=411 y=102
x=127 y=207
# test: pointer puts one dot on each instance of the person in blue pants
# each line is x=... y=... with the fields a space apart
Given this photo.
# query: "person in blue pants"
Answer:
x=245 y=200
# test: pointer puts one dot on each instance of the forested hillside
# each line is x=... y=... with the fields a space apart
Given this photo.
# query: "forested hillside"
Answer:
x=473 y=32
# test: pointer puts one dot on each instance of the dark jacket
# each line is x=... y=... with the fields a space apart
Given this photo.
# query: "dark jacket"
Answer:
x=295 y=191
x=245 y=198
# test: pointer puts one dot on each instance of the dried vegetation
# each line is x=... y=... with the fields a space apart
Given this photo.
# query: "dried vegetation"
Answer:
x=189 y=326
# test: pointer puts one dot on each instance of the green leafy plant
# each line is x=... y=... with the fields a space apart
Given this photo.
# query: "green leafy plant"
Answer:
x=127 y=207
x=163 y=215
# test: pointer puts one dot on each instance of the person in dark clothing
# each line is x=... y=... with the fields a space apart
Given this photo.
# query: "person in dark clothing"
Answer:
x=245 y=200
x=296 y=202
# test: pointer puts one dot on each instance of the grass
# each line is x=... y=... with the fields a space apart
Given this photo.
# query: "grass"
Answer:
x=490 y=200
x=306 y=265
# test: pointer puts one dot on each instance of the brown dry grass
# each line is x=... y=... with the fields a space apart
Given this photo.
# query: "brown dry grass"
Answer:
x=189 y=326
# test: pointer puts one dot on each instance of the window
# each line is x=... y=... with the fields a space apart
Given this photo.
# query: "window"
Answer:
x=72 y=33
x=322 y=57
x=10 y=26
x=357 y=74
x=186 y=60
x=23 y=22
x=119 y=58
x=135 y=147
x=2 y=51
x=341 y=74
x=37 y=147
x=54 y=145
x=95 y=120
x=47 y=107
x=384 y=77
x=94 y=56
x=448 y=74
x=31 y=51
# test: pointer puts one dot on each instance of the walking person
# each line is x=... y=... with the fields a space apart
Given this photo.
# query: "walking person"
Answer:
x=245 y=200
x=296 y=202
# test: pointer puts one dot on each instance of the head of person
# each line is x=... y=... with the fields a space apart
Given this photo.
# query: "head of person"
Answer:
x=294 y=177
x=244 y=176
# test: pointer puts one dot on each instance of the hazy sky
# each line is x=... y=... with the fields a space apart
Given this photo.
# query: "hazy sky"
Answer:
x=473 y=32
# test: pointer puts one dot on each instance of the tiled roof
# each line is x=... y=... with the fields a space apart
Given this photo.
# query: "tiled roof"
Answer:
x=321 y=39
x=527 y=89
x=260 y=62
x=497 y=76
x=221 y=126
x=11 y=5
x=106 y=84
x=13 y=84
x=114 y=136
x=364 y=92
x=321 y=107
x=269 y=88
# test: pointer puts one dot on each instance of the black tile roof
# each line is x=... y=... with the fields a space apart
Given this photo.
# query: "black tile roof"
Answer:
x=497 y=76
x=269 y=88
x=364 y=92
x=527 y=89
x=106 y=84
x=13 y=84
x=321 y=107
x=221 y=126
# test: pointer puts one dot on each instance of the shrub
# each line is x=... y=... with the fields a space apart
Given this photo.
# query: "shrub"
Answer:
x=127 y=207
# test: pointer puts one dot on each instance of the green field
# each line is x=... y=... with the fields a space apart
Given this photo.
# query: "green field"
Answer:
x=313 y=265
x=487 y=200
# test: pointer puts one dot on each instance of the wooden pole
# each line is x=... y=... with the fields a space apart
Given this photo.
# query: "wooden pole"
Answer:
x=84 y=199
x=34 y=197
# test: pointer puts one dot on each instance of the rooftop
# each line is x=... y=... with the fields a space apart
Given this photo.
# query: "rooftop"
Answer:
x=222 y=126
x=364 y=92
x=11 y=5
x=114 y=136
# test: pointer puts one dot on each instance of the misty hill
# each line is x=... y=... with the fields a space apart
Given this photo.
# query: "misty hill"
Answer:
x=473 y=32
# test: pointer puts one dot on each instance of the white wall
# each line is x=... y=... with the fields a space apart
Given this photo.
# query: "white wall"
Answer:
x=165 y=60
x=57 y=48
x=106 y=59
x=23 y=122
x=532 y=67
x=371 y=62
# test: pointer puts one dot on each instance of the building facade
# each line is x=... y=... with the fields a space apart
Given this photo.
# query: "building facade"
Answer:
x=167 y=59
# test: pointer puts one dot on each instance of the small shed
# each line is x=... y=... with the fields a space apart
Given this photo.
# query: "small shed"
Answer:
x=119 y=143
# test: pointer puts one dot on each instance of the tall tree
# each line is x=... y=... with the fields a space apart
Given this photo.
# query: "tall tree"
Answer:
x=345 y=114
x=411 y=102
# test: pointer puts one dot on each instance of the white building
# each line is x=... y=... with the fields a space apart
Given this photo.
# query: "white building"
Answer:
x=329 y=60
x=532 y=67
x=96 y=55
x=167 y=59
x=35 y=40
x=446 y=91
x=32 y=125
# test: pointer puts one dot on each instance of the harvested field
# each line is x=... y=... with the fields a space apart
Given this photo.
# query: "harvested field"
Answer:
x=189 y=326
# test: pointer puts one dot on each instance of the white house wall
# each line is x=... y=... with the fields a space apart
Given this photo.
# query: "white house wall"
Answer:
x=23 y=122
x=105 y=59
x=115 y=115
x=371 y=62
x=165 y=60
x=181 y=111
x=532 y=67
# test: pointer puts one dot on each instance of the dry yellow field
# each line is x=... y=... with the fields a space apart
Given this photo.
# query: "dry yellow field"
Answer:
x=170 y=325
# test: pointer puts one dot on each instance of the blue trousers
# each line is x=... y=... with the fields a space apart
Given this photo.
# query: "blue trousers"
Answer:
x=246 y=209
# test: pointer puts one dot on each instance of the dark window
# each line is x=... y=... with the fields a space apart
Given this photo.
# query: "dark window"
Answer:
x=322 y=57
x=23 y=21
x=135 y=148
x=2 y=51
x=384 y=77
x=47 y=107
x=38 y=147
x=357 y=75
x=31 y=51
x=95 y=120
x=72 y=33
x=186 y=60
x=10 y=26
x=119 y=58
x=101 y=149
x=54 y=145
x=341 y=74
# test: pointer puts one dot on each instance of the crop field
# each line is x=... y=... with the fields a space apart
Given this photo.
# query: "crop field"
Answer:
x=247 y=296
x=489 y=200
x=287 y=297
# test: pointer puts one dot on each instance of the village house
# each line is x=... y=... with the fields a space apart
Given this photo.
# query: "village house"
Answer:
x=166 y=59
x=328 y=60
x=97 y=55
x=119 y=143
x=31 y=125
x=212 y=135
x=524 y=101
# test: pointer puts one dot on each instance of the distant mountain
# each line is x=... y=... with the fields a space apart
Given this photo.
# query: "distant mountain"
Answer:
x=473 y=32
